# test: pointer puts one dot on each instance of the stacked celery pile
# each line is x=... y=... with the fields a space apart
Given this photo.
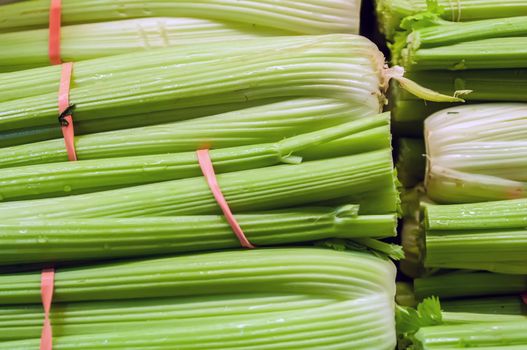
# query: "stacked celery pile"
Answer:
x=144 y=257
x=465 y=232
x=94 y=28
x=464 y=204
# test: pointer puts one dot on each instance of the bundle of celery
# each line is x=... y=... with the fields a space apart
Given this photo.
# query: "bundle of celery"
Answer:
x=280 y=298
x=169 y=84
x=29 y=49
x=486 y=58
x=429 y=328
x=477 y=153
x=296 y=17
x=391 y=12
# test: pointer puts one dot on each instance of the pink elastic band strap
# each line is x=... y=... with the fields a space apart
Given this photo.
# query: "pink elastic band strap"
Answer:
x=208 y=171
x=54 y=32
x=46 y=289
x=524 y=298
x=64 y=103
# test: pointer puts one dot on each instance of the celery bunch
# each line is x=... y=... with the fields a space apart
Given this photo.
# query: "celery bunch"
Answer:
x=168 y=84
x=483 y=58
x=288 y=298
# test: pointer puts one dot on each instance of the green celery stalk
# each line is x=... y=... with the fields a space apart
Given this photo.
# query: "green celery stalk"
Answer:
x=261 y=124
x=445 y=33
x=493 y=53
x=306 y=17
x=274 y=187
x=486 y=85
x=476 y=216
x=58 y=240
x=505 y=305
x=480 y=236
x=465 y=284
x=84 y=176
x=460 y=318
x=497 y=335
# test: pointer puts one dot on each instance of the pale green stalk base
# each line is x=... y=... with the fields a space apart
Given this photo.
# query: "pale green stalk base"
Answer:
x=477 y=153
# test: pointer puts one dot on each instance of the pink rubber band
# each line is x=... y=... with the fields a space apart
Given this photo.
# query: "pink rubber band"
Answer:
x=55 y=11
x=46 y=289
x=64 y=103
x=208 y=171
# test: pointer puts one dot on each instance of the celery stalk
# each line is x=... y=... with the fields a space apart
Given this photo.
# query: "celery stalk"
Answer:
x=357 y=176
x=507 y=305
x=58 y=240
x=464 y=284
x=480 y=236
x=47 y=180
x=392 y=12
x=261 y=124
x=499 y=335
